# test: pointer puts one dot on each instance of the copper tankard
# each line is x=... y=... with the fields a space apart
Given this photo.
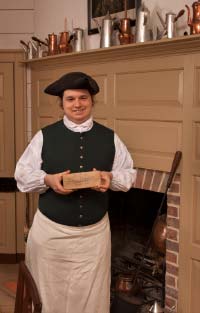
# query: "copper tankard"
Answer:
x=52 y=44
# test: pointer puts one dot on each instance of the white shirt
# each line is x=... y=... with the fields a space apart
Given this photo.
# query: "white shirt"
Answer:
x=30 y=177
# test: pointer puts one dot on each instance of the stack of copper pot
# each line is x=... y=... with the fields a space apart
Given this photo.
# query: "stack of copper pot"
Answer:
x=62 y=45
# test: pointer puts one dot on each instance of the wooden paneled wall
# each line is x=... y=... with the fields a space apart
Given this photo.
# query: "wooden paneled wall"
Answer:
x=16 y=22
x=12 y=143
x=150 y=96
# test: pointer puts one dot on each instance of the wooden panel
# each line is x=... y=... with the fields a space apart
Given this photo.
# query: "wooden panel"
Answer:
x=194 y=286
x=2 y=141
x=1 y=86
x=196 y=135
x=151 y=143
x=13 y=101
x=189 y=256
x=7 y=223
x=197 y=87
x=7 y=156
x=46 y=120
x=16 y=4
x=163 y=87
x=102 y=121
x=12 y=41
x=46 y=104
x=102 y=97
x=196 y=211
x=48 y=108
x=22 y=21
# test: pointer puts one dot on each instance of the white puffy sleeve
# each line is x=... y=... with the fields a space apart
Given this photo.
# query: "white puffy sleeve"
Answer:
x=28 y=173
x=124 y=175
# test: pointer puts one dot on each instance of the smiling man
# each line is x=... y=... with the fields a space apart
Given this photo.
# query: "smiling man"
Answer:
x=77 y=105
x=69 y=247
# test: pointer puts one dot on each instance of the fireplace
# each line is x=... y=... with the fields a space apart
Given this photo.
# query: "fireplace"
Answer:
x=150 y=97
x=132 y=215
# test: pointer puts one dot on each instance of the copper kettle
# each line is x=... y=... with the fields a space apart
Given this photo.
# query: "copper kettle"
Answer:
x=125 y=34
x=194 y=22
x=64 y=42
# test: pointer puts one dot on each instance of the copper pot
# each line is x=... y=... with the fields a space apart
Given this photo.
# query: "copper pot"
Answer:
x=124 y=284
x=159 y=231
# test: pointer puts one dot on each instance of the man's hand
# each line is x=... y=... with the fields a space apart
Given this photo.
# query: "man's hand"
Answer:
x=106 y=178
x=54 y=182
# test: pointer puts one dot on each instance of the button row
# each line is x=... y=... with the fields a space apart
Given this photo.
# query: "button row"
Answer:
x=81 y=148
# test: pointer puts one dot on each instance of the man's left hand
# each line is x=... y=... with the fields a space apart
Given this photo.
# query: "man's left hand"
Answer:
x=106 y=178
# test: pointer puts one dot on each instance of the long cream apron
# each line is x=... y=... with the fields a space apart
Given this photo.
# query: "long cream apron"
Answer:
x=71 y=265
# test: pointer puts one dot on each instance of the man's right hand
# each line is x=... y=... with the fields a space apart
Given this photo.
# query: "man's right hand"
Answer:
x=54 y=181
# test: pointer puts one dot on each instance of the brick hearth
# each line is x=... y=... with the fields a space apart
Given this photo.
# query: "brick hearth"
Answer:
x=156 y=181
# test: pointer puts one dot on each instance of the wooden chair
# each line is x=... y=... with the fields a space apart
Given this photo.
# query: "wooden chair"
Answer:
x=27 y=296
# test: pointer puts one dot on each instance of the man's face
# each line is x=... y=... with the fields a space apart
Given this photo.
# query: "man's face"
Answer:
x=77 y=105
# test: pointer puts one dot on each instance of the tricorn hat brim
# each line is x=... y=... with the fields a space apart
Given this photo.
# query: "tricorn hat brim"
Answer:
x=72 y=80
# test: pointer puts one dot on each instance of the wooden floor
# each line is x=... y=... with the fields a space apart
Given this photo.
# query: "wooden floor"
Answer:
x=7 y=272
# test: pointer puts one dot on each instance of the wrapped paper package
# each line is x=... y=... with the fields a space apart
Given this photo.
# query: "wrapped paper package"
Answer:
x=82 y=180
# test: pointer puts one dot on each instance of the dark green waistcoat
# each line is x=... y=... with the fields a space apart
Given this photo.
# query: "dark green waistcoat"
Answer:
x=64 y=150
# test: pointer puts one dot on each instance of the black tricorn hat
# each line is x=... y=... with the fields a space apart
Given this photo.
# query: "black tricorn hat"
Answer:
x=72 y=80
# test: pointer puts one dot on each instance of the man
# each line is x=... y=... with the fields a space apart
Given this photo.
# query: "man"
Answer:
x=68 y=247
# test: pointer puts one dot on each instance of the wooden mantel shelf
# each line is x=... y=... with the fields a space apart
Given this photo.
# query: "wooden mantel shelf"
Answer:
x=179 y=45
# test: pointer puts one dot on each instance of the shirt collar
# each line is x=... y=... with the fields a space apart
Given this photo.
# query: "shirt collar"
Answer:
x=85 y=126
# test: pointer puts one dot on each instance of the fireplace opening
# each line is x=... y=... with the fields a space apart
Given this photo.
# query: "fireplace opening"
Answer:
x=137 y=265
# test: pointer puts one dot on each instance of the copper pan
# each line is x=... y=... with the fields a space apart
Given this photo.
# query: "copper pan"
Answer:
x=159 y=230
x=160 y=234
